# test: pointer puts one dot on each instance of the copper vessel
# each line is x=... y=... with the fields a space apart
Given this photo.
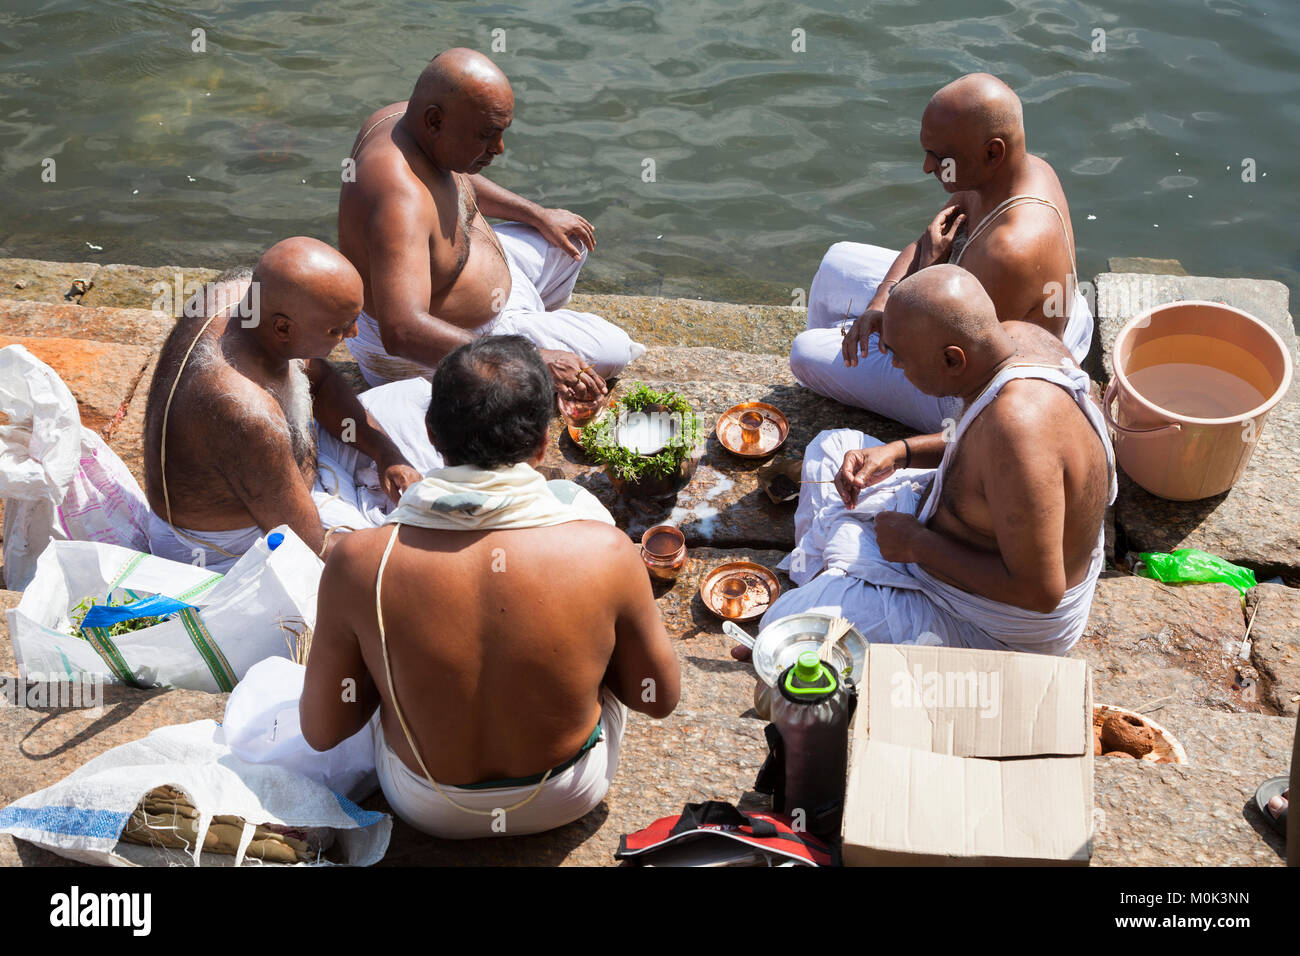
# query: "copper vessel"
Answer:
x=663 y=549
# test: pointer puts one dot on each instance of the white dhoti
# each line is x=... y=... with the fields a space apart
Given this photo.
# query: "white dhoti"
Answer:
x=542 y=277
x=566 y=795
x=845 y=283
x=838 y=567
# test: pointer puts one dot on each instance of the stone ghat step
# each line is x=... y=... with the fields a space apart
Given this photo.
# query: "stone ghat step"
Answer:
x=1167 y=815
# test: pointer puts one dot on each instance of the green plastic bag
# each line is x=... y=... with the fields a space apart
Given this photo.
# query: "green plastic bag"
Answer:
x=1190 y=566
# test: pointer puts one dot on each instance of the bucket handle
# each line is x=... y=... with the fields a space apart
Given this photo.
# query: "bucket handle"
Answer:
x=1109 y=397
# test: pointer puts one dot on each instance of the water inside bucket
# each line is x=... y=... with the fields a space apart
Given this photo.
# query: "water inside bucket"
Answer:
x=1196 y=391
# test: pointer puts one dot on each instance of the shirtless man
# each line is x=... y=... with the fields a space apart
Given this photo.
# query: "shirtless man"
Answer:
x=1007 y=223
x=503 y=669
x=436 y=274
x=241 y=457
x=1003 y=548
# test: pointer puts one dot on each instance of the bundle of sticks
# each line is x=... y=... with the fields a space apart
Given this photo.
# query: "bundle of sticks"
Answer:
x=164 y=817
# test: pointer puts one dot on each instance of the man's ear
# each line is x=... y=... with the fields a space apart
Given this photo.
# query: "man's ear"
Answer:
x=433 y=119
x=282 y=326
x=540 y=453
x=954 y=359
x=995 y=150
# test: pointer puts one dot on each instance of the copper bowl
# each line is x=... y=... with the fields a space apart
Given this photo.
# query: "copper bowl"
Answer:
x=761 y=588
x=753 y=429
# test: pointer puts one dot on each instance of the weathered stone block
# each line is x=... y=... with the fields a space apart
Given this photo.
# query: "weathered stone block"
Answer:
x=101 y=377
x=1148 y=642
x=763 y=329
x=120 y=326
x=138 y=287
x=1275 y=645
x=36 y=280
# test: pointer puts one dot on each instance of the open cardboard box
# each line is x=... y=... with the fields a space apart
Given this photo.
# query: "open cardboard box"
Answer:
x=965 y=757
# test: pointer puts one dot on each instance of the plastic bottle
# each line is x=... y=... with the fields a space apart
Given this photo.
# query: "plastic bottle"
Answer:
x=810 y=709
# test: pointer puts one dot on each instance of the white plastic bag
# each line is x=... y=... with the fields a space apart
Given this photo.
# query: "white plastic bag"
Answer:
x=82 y=816
x=241 y=617
x=59 y=480
x=261 y=726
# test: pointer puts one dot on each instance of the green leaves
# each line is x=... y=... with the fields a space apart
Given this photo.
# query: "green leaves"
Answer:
x=600 y=439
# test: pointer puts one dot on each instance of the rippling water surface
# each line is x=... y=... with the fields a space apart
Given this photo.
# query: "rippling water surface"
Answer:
x=763 y=155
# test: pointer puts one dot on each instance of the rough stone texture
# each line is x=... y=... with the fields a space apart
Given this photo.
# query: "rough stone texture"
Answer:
x=1148 y=814
x=1255 y=523
x=670 y=363
x=1275 y=646
x=120 y=326
x=102 y=377
x=722 y=506
x=1145 y=266
x=133 y=287
x=1253 y=745
x=8 y=666
x=1148 y=642
x=36 y=280
x=42 y=746
x=763 y=329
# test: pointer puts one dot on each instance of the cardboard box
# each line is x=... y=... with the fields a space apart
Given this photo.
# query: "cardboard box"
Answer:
x=965 y=757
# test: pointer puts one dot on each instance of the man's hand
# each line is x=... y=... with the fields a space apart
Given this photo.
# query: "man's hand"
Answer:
x=935 y=245
x=558 y=225
x=896 y=536
x=862 y=467
x=395 y=477
x=574 y=380
x=855 y=339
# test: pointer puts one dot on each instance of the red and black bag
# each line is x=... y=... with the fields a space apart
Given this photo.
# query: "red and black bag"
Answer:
x=772 y=833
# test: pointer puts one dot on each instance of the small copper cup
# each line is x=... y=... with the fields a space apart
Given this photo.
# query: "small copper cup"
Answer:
x=751 y=427
x=663 y=550
x=733 y=592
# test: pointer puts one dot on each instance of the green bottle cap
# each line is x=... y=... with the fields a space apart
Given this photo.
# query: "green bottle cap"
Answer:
x=809 y=677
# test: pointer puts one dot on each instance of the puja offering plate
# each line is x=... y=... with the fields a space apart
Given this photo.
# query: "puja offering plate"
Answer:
x=753 y=429
x=780 y=643
x=1165 y=747
x=739 y=590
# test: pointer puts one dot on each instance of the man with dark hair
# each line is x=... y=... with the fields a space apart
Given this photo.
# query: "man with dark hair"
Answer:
x=500 y=623
x=411 y=219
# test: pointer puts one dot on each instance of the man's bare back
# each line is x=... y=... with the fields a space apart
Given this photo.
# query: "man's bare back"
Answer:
x=498 y=668
x=1030 y=418
x=220 y=404
x=398 y=195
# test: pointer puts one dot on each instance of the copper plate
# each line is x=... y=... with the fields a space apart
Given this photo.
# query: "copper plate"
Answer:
x=763 y=588
x=775 y=430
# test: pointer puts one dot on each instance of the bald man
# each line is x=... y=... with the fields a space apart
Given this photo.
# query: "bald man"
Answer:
x=992 y=540
x=436 y=273
x=1006 y=221
x=239 y=381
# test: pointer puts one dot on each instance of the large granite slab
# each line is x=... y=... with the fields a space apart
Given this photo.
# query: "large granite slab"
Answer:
x=1149 y=642
x=1147 y=814
x=1255 y=523
x=1275 y=646
x=684 y=363
x=1254 y=745
x=722 y=506
x=127 y=438
x=8 y=666
x=102 y=377
x=142 y=287
x=141 y=327
x=37 y=280
x=763 y=329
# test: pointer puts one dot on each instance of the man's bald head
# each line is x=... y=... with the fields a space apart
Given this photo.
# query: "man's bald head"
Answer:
x=461 y=106
x=977 y=122
x=308 y=297
x=943 y=330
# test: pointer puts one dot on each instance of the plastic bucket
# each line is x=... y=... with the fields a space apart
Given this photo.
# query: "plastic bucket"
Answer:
x=1222 y=359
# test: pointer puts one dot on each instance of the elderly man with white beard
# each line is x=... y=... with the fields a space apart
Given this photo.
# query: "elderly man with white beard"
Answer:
x=231 y=448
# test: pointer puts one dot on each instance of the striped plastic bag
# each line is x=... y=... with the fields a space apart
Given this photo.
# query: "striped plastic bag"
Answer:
x=219 y=624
